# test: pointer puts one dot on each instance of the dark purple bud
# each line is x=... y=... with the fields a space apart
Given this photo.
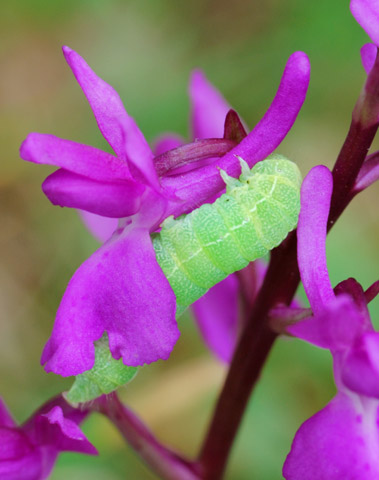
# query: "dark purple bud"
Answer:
x=234 y=129
x=372 y=291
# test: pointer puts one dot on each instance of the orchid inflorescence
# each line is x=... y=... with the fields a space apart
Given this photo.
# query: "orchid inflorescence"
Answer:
x=119 y=309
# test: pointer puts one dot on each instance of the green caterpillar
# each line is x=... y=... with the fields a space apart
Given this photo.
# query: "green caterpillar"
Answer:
x=198 y=250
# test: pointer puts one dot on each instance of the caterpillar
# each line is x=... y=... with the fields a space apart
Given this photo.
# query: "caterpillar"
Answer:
x=198 y=250
x=258 y=210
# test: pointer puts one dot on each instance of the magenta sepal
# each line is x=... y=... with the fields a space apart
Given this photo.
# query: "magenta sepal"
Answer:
x=117 y=127
x=197 y=186
x=29 y=451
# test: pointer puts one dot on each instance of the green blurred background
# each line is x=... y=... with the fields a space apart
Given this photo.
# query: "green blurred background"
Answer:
x=146 y=50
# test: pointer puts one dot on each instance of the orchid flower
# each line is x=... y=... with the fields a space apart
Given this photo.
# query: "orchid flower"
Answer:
x=121 y=289
x=29 y=451
x=342 y=440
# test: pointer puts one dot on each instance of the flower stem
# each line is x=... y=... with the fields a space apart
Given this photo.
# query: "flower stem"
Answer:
x=279 y=286
x=363 y=128
x=347 y=166
x=251 y=353
x=163 y=461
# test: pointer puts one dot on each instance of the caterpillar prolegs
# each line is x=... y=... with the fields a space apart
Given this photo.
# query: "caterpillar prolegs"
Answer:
x=198 y=250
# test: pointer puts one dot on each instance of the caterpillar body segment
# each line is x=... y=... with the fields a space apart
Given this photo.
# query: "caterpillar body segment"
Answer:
x=198 y=250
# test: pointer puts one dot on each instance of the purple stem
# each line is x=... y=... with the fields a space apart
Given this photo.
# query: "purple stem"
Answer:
x=254 y=346
x=347 y=166
x=163 y=461
x=362 y=131
x=279 y=286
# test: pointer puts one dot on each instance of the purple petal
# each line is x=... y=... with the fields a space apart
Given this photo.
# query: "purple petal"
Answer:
x=366 y=13
x=6 y=419
x=368 y=174
x=339 y=442
x=368 y=56
x=19 y=459
x=14 y=444
x=117 y=127
x=120 y=290
x=55 y=430
x=360 y=371
x=152 y=211
x=209 y=108
x=101 y=228
x=195 y=187
x=74 y=157
x=116 y=199
x=216 y=314
x=315 y=198
x=167 y=142
x=335 y=328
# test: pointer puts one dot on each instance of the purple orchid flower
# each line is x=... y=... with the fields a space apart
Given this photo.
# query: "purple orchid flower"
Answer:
x=121 y=289
x=208 y=111
x=29 y=451
x=342 y=440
